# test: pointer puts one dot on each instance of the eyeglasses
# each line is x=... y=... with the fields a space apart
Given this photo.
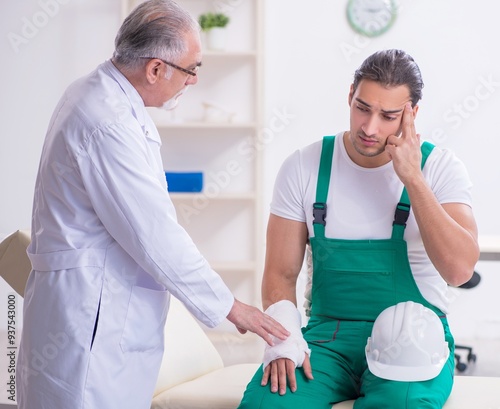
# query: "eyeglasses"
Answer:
x=192 y=72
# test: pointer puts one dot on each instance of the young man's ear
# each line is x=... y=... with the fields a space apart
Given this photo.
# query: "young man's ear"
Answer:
x=415 y=110
x=351 y=93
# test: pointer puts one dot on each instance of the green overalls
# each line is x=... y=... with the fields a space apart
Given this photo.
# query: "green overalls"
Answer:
x=353 y=281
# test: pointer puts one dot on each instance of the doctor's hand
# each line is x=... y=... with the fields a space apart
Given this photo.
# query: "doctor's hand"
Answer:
x=282 y=371
x=248 y=318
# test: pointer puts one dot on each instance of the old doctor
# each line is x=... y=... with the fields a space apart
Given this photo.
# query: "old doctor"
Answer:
x=106 y=248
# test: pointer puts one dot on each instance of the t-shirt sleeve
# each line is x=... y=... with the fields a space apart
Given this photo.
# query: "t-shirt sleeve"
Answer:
x=450 y=180
x=288 y=194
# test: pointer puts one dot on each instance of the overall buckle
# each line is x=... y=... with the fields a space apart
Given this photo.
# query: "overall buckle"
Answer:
x=402 y=213
x=319 y=213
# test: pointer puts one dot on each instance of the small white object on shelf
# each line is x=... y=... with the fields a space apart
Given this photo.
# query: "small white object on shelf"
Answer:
x=216 y=113
x=216 y=38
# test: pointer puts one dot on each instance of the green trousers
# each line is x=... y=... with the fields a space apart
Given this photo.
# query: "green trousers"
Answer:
x=340 y=373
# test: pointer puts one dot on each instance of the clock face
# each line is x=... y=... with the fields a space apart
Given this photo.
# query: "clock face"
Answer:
x=371 y=17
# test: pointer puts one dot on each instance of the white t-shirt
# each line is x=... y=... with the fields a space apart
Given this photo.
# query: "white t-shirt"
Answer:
x=361 y=204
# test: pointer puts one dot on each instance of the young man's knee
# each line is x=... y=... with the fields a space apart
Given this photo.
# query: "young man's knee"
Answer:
x=401 y=401
x=264 y=399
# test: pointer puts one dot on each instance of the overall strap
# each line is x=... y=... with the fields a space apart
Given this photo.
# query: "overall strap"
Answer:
x=403 y=207
x=325 y=167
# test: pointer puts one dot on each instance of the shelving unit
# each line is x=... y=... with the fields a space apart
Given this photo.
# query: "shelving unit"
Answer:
x=224 y=219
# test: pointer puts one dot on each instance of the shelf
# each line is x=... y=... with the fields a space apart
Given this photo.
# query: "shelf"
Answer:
x=175 y=196
x=229 y=54
x=205 y=125
x=224 y=220
x=489 y=247
x=233 y=266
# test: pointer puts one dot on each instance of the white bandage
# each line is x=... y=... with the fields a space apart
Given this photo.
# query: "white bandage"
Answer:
x=295 y=346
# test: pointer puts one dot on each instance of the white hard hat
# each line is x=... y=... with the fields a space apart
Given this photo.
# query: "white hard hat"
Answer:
x=407 y=344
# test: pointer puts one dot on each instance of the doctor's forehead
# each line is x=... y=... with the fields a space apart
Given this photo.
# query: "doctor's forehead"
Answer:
x=193 y=47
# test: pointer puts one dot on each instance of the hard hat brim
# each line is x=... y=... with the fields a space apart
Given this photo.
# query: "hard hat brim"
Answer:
x=406 y=373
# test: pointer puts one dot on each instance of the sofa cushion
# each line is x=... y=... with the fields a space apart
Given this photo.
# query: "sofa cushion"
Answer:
x=221 y=389
x=189 y=353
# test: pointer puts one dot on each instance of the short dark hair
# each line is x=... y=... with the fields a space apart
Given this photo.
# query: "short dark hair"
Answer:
x=392 y=68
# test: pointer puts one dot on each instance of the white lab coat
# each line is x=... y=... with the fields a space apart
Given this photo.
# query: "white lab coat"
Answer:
x=106 y=253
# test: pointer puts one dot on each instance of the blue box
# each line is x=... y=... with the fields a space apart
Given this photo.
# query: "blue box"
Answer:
x=184 y=181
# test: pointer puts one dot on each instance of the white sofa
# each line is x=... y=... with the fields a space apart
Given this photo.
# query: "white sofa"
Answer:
x=192 y=374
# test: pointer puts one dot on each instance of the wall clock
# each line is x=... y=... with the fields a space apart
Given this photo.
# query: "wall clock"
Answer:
x=371 y=18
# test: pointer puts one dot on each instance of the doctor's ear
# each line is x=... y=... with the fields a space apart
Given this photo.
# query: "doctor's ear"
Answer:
x=153 y=70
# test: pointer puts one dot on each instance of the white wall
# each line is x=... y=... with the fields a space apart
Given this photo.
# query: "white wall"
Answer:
x=311 y=55
x=44 y=44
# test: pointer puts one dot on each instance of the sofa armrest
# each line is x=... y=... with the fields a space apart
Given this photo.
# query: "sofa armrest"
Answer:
x=15 y=266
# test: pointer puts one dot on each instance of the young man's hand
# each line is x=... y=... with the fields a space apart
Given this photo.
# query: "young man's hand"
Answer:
x=282 y=372
x=405 y=149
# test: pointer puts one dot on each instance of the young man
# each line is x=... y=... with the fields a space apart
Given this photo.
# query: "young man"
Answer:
x=106 y=248
x=382 y=229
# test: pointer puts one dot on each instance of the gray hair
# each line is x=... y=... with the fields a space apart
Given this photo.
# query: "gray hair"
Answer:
x=392 y=68
x=155 y=28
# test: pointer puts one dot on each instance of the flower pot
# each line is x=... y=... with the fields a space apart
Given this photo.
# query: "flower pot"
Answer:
x=216 y=39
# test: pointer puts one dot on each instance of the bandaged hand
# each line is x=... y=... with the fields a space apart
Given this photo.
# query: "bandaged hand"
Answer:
x=295 y=346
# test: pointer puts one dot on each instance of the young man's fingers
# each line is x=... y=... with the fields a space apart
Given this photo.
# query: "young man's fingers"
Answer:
x=266 y=375
x=306 y=366
x=282 y=373
x=408 y=124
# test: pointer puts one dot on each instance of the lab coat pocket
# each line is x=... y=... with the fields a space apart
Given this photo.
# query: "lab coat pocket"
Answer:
x=145 y=321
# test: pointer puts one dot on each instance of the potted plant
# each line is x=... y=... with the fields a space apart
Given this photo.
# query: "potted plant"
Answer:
x=213 y=24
